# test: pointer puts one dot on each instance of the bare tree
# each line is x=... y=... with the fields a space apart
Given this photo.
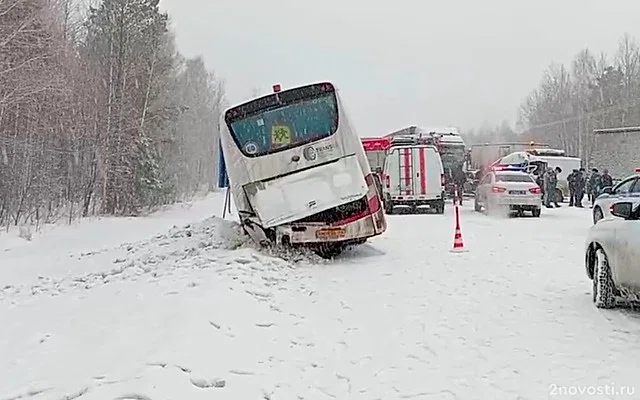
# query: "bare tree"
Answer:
x=594 y=93
x=89 y=120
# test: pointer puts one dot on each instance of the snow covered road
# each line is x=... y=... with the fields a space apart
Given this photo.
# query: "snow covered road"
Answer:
x=194 y=312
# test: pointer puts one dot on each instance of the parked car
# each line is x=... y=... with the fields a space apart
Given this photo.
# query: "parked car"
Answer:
x=612 y=258
x=628 y=188
x=508 y=189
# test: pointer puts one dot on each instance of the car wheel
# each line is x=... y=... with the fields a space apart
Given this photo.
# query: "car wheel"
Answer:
x=597 y=214
x=603 y=287
x=536 y=212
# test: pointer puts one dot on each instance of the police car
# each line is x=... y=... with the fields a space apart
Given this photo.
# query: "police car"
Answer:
x=612 y=255
x=508 y=188
x=628 y=188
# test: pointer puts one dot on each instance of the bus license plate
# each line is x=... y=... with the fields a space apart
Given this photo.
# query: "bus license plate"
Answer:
x=517 y=192
x=331 y=233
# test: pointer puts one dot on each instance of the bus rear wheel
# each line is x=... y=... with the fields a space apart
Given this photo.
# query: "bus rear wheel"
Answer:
x=329 y=250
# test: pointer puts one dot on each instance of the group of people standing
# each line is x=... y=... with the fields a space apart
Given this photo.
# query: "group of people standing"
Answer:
x=591 y=185
x=549 y=184
x=580 y=183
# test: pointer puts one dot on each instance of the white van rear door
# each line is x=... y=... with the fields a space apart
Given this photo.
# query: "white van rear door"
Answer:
x=400 y=171
x=391 y=172
x=434 y=171
x=406 y=171
x=420 y=177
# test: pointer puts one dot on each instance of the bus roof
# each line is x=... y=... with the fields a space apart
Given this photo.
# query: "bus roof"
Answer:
x=273 y=100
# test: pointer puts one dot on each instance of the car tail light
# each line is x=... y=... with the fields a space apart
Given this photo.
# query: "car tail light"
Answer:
x=442 y=180
x=498 y=189
x=374 y=203
x=536 y=190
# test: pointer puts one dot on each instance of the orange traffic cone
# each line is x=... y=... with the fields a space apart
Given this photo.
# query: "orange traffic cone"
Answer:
x=458 y=243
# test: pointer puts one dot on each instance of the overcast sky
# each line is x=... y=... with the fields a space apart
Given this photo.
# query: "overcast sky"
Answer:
x=399 y=63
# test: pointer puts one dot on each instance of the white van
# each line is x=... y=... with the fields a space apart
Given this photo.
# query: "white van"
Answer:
x=413 y=176
x=543 y=159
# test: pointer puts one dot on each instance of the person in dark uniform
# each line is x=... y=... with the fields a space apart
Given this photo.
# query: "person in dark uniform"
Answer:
x=550 y=185
x=572 y=181
x=595 y=182
x=580 y=182
x=554 y=183
x=459 y=180
x=606 y=179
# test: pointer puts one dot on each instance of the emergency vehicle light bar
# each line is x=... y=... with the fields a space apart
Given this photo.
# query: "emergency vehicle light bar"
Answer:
x=409 y=140
x=375 y=144
x=508 y=168
x=546 y=152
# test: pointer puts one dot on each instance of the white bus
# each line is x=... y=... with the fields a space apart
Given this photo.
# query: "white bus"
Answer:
x=298 y=172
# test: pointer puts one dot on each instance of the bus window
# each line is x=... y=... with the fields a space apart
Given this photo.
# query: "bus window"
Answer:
x=287 y=126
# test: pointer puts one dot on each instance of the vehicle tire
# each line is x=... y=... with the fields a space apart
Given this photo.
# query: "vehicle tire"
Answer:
x=597 y=214
x=388 y=207
x=476 y=206
x=603 y=287
x=536 y=212
x=559 y=197
x=329 y=251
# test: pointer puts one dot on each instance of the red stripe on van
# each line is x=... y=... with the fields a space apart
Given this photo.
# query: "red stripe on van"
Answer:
x=407 y=170
x=423 y=172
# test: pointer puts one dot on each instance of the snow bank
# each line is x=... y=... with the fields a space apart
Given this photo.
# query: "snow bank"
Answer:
x=211 y=243
x=49 y=253
x=171 y=315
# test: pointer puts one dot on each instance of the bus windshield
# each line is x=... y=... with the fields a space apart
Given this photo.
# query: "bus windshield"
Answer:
x=286 y=125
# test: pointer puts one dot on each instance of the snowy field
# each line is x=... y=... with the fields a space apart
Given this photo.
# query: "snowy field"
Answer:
x=178 y=306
